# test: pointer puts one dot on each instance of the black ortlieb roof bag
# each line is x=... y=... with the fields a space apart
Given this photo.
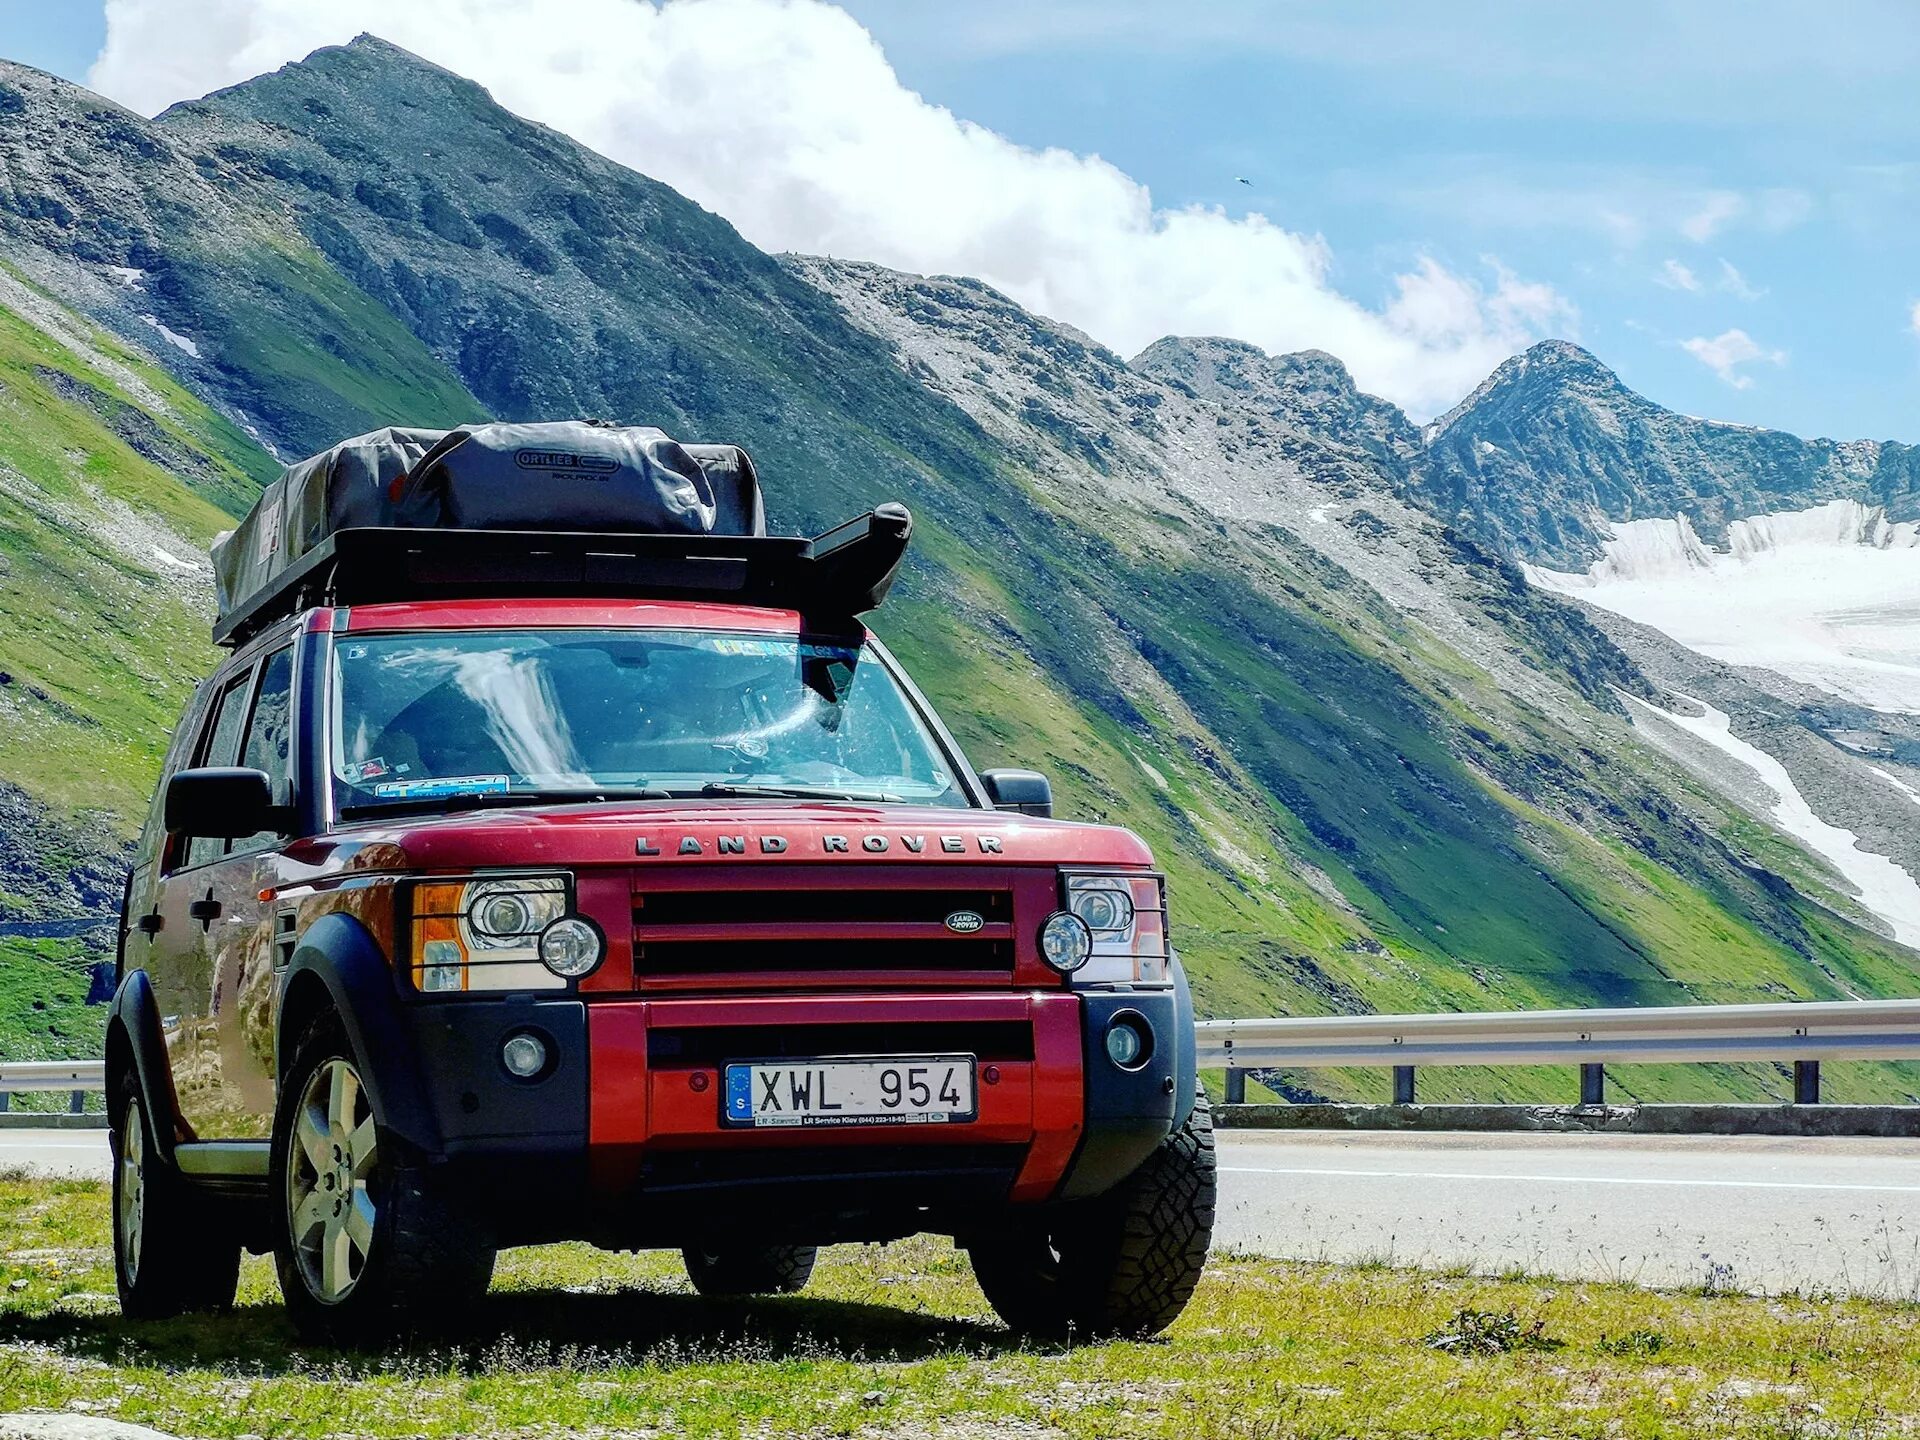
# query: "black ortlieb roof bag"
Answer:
x=567 y=475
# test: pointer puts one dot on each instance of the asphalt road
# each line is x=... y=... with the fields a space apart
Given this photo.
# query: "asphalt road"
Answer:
x=1761 y=1214
x=1814 y=1215
x=55 y=1152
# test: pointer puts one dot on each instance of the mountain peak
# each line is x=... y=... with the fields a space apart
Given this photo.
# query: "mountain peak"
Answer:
x=1308 y=390
x=1212 y=362
x=367 y=50
x=1554 y=362
x=23 y=85
x=364 y=61
x=1319 y=360
x=1560 y=352
x=1547 y=367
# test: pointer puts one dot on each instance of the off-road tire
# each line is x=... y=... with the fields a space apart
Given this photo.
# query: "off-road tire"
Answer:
x=186 y=1256
x=1124 y=1263
x=749 y=1269
x=428 y=1262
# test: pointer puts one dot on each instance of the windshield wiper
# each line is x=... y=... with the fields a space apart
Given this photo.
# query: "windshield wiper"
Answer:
x=414 y=805
x=725 y=789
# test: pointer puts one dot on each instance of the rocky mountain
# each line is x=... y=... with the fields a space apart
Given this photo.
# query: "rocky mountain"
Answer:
x=1210 y=590
x=1551 y=447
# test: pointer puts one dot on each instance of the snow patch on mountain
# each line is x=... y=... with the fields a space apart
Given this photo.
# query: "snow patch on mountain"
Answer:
x=1899 y=785
x=1828 y=596
x=173 y=337
x=1883 y=887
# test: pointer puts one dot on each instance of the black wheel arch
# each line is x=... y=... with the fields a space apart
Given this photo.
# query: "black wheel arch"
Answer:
x=137 y=1046
x=338 y=966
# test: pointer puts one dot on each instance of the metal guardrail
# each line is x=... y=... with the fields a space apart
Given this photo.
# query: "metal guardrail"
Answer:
x=78 y=1077
x=1804 y=1034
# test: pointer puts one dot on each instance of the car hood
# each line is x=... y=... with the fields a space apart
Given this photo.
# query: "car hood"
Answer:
x=679 y=833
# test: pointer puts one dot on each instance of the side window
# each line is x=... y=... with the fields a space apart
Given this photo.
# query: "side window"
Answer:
x=269 y=738
x=221 y=747
x=153 y=835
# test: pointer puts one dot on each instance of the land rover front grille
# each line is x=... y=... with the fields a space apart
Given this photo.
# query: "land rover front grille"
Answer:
x=868 y=924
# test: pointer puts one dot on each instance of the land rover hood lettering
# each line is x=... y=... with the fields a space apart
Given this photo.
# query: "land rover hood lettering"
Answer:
x=873 y=843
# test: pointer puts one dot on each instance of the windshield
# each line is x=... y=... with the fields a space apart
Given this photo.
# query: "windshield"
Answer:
x=538 y=714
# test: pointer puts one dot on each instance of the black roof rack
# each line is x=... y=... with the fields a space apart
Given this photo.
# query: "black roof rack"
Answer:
x=833 y=577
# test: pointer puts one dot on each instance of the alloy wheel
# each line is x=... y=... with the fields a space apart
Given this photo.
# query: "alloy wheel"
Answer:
x=130 y=1215
x=330 y=1208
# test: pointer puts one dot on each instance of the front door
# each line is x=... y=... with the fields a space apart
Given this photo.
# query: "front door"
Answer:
x=212 y=954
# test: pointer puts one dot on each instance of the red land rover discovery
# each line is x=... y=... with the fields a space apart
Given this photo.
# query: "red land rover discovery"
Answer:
x=556 y=899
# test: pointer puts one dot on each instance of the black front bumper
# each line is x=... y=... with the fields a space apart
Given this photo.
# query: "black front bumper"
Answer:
x=517 y=1146
x=1128 y=1112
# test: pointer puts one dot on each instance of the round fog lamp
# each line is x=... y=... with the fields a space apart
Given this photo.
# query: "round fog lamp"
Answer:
x=1126 y=1042
x=524 y=1055
x=570 y=946
x=1065 y=941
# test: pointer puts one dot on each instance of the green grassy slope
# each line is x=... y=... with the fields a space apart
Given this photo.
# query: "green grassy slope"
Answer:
x=99 y=636
x=106 y=465
x=44 y=1013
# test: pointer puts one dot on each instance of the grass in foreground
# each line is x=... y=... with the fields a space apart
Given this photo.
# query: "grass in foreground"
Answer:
x=896 y=1340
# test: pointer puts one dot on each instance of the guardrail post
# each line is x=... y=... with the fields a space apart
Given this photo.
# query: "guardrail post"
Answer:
x=78 y=1104
x=1806 y=1082
x=1236 y=1087
x=1593 y=1084
x=5 y=1098
x=1403 y=1084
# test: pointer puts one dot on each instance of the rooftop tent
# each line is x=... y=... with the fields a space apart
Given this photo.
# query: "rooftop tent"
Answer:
x=555 y=507
x=569 y=475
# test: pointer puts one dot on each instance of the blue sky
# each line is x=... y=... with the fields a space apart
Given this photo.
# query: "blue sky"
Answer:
x=1722 y=200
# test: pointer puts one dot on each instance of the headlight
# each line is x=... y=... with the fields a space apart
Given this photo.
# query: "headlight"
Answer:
x=1126 y=914
x=488 y=934
x=1105 y=904
x=510 y=914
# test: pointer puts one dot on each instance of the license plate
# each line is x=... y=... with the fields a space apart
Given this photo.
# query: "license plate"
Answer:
x=906 y=1090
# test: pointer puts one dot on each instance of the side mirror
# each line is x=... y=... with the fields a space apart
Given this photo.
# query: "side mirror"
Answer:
x=1025 y=791
x=222 y=803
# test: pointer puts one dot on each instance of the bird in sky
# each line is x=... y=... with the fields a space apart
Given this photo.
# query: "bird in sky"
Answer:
x=1244 y=181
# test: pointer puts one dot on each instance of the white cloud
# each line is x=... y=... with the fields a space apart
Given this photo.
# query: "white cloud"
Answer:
x=784 y=116
x=1771 y=210
x=1676 y=276
x=1913 y=318
x=1715 y=212
x=1783 y=209
x=1736 y=284
x=1725 y=352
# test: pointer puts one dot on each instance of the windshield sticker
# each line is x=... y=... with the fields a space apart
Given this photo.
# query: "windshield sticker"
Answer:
x=745 y=645
x=435 y=789
x=730 y=645
x=372 y=769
